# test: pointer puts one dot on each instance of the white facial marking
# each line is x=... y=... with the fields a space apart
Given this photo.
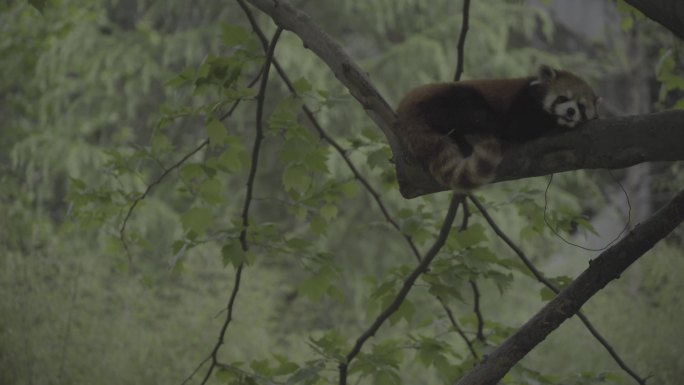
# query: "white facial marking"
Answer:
x=548 y=102
x=568 y=113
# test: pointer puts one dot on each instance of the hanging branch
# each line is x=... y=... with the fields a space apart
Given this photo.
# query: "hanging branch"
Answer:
x=460 y=48
x=607 y=267
x=245 y=211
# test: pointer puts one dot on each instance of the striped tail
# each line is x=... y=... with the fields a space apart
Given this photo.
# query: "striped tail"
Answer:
x=450 y=168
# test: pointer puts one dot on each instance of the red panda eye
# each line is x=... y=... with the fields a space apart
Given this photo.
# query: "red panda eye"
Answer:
x=562 y=99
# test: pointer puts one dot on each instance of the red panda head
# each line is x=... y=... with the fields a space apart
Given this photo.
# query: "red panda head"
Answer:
x=566 y=96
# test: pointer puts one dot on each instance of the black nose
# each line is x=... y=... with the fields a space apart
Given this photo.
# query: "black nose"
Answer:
x=570 y=112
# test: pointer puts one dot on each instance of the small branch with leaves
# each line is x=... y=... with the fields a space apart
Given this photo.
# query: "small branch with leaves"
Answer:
x=422 y=267
x=542 y=279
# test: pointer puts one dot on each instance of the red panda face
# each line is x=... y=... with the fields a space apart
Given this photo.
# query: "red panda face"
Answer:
x=566 y=96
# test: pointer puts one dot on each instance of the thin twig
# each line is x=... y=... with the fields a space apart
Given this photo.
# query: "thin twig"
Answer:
x=460 y=48
x=166 y=172
x=476 y=310
x=406 y=287
x=540 y=277
x=161 y=177
x=461 y=40
x=458 y=329
x=248 y=200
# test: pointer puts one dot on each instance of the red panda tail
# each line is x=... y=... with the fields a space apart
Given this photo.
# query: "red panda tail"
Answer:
x=460 y=173
x=446 y=162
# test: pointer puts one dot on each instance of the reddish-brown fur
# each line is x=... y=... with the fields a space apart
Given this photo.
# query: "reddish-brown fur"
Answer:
x=456 y=129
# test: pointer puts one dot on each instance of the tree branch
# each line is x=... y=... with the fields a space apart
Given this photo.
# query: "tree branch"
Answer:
x=607 y=267
x=258 y=138
x=643 y=138
x=669 y=13
x=540 y=277
x=344 y=68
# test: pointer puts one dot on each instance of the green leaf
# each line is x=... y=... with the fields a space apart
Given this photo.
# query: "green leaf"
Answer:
x=295 y=149
x=197 y=219
x=431 y=352
x=217 y=132
x=284 y=117
x=316 y=160
x=186 y=77
x=350 y=189
x=329 y=212
x=473 y=235
x=231 y=159
x=307 y=375
x=379 y=158
x=386 y=377
x=236 y=35
x=211 y=191
x=318 y=226
x=302 y=86
x=546 y=294
x=226 y=376
x=314 y=287
x=297 y=178
x=191 y=172
x=160 y=143
x=285 y=366
x=232 y=253
x=332 y=344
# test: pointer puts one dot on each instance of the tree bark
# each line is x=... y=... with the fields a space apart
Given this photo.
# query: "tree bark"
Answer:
x=607 y=267
x=669 y=13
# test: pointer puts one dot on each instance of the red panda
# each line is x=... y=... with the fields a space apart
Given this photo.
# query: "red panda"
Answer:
x=456 y=129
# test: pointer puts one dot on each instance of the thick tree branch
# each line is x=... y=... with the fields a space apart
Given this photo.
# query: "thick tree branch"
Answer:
x=344 y=68
x=540 y=277
x=607 y=267
x=606 y=143
x=669 y=13
x=653 y=137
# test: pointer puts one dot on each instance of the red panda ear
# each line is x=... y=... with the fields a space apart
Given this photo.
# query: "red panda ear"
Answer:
x=546 y=73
